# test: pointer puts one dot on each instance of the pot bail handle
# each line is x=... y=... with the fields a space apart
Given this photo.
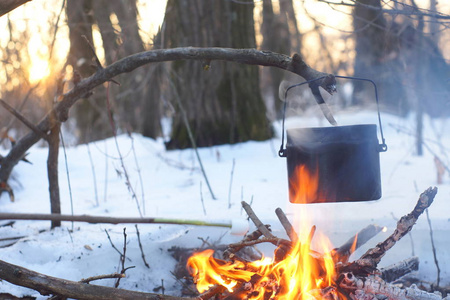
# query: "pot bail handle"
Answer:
x=381 y=147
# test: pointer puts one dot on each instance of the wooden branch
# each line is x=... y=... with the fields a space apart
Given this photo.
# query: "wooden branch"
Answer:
x=286 y=225
x=84 y=88
x=373 y=256
x=261 y=227
x=47 y=285
x=8 y=5
x=22 y=119
x=109 y=220
x=105 y=276
x=275 y=241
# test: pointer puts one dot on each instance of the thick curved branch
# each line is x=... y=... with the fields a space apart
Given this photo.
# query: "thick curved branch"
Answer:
x=47 y=285
x=8 y=5
x=83 y=89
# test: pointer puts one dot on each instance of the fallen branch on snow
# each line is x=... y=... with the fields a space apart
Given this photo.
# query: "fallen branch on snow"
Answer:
x=47 y=285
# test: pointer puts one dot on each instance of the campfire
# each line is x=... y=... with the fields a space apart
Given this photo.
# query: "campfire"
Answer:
x=307 y=267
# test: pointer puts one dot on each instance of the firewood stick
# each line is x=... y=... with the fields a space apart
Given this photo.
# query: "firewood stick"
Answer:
x=47 y=285
x=311 y=234
x=286 y=225
x=275 y=241
x=344 y=251
x=373 y=256
x=256 y=220
x=395 y=271
x=231 y=250
x=212 y=292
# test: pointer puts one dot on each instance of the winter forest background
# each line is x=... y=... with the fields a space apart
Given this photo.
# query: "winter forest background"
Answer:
x=149 y=127
x=401 y=45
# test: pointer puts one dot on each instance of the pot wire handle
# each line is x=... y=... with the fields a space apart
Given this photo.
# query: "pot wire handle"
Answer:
x=381 y=147
x=282 y=151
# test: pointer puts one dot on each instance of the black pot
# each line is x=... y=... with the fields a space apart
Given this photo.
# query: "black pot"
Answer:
x=333 y=164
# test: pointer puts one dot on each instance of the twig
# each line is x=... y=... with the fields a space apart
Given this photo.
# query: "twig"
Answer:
x=373 y=256
x=231 y=183
x=436 y=262
x=122 y=257
x=261 y=227
x=112 y=244
x=24 y=120
x=94 y=177
x=106 y=276
x=67 y=173
x=98 y=64
x=19 y=109
x=201 y=199
x=122 y=163
x=403 y=130
x=286 y=225
x=229 y=253
x=140 y=246
x=52 y=45
x=138 y=169
x=274 y=240
x=191 y=138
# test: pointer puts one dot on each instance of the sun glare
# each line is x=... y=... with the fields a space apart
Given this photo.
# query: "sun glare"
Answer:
x=39 y=69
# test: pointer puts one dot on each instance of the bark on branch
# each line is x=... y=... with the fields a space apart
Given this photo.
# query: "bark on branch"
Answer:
x=294 y=64
x=8 y=5
x=47 y=285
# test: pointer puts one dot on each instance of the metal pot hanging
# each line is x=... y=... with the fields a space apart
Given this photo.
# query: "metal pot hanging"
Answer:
x=333 y=164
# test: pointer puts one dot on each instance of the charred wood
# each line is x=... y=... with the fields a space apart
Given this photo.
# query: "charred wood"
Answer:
x=395 y=271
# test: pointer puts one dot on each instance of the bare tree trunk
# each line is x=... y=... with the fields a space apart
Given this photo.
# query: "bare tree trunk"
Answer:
x=374 y=46
x=89 y=113
x=212 y=94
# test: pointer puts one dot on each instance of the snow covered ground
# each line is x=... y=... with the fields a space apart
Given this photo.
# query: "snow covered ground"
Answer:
x=173 y=187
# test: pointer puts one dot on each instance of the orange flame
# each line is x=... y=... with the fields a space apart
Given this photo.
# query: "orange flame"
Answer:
x=301 y=274
x=304 y=186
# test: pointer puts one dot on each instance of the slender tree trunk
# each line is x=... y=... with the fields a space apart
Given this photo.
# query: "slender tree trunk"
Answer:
x=52 y=172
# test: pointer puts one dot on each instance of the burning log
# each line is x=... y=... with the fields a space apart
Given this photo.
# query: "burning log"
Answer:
x=299 y=272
